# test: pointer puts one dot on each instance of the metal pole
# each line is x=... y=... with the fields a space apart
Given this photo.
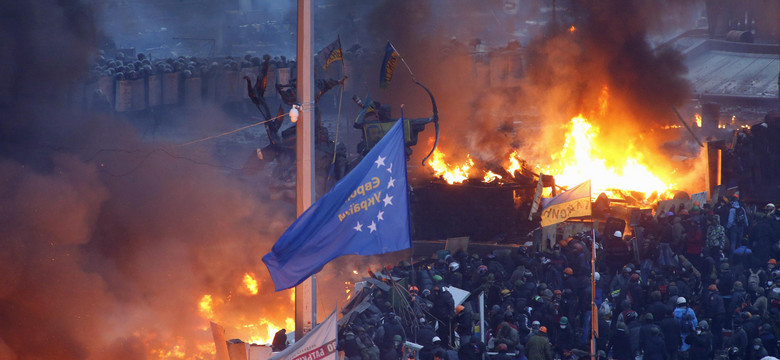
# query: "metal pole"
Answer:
x=305 y=293
x=594 y=320
x=482 y=318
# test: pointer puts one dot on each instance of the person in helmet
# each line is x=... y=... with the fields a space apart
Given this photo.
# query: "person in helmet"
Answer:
x=617 y=252
x=454 y=277
x=562 y=336
x=687 y=319
x=701 y=342
x=538 y=346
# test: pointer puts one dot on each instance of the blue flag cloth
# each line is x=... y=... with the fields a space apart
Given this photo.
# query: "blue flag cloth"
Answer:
x=388 y=66
x=366 y=213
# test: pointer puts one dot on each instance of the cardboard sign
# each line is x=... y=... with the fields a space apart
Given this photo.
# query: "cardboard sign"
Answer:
x=701 y=197
x=457 y=243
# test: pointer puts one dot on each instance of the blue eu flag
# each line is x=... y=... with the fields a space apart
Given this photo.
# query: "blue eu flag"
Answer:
x=366 y=213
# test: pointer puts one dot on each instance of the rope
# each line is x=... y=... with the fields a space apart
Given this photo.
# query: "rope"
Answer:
x=233 y=131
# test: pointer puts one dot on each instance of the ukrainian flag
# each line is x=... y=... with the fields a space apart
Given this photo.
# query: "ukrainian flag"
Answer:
x=574 y=202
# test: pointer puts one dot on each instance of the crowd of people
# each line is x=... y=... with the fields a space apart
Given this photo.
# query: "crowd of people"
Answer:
x=697 y=282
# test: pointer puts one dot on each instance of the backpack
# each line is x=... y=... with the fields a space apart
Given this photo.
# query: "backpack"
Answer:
x=686 y=322
x=740 y=216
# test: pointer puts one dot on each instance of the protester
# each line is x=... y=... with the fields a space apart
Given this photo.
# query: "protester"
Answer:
x=674 y=304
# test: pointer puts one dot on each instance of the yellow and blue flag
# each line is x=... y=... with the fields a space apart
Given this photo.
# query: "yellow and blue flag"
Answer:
x=330 y=54
x=388 y=66
x=574 y=202
x=366 y=213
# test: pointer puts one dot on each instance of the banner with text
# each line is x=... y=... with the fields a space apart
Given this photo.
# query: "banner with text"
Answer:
x=574 y=202
x=318 y=344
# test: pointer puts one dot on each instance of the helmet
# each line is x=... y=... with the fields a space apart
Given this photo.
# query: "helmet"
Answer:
x=596 y=276
x=459 y=308
x=772 y=261
x=413 y=289
x=435 y=339
x=564 y=320
x=505 y=292
x=543 y=329
x=568 y=270
x=634 y=277
x=482 y=269
x=681 y=300
x=712 y=287
x=454 y=266
x=618 y=234
x=437 y=278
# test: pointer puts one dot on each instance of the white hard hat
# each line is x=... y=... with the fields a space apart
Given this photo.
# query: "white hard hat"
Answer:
x=435 y=339
x=454 y=266
x=770 y=206
x=618 y=234
x=596 y=276
x=681 y=300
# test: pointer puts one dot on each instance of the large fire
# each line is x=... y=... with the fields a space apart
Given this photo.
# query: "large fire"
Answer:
x=213 y=308
x=609 y=166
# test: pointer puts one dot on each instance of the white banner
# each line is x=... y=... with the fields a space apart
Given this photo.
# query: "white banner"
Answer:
x=318 y=344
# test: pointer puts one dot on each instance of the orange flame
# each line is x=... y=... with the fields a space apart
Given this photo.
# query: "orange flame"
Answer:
x=490 y=177
x=263 y=331
x=457 y=173
x=618 y=168
x=250 y=283
x=514 y=163
x=205 y=305
x=698 y=120
x=572 y=29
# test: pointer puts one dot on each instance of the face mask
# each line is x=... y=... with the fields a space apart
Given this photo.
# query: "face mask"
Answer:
x=563 y=326
x=698 y=331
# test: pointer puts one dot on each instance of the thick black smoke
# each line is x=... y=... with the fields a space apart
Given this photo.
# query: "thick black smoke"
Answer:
x=110 y=240
x=565 y=73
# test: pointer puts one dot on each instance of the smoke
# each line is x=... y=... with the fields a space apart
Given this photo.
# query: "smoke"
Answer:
x=110 y=239
x=605 y=68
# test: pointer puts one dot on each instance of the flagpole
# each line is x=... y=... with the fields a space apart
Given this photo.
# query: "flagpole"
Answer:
x=594 y=322
x=305 y=293
x=404 y=61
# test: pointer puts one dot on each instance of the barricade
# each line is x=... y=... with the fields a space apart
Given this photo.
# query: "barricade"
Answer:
x=154 y=90
x=193 y=96
x=170 y=88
